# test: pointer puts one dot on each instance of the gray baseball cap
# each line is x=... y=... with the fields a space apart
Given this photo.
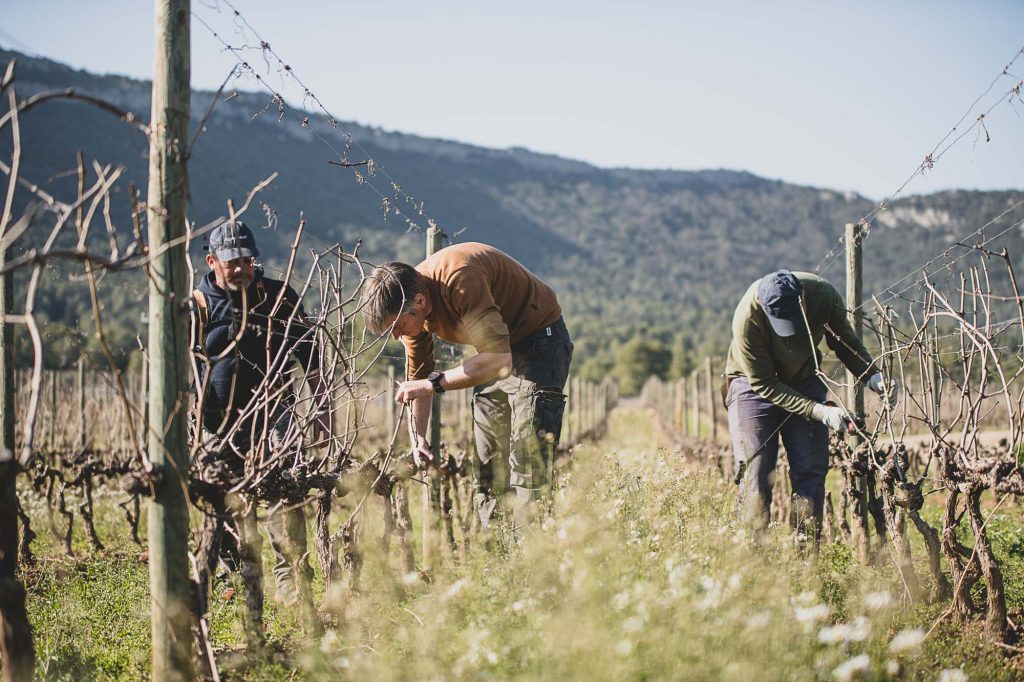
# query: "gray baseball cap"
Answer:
x=231 y=240
x=779 y=296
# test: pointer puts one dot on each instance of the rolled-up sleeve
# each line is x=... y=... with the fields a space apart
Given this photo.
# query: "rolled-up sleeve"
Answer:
x=419 y=355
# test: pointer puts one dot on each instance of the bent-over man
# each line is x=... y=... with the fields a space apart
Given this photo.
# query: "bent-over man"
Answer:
x=773 y=387
x=249 y=331
x=476 y=295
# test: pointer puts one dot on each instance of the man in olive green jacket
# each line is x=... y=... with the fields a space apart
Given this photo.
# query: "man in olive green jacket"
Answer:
x=774 y=387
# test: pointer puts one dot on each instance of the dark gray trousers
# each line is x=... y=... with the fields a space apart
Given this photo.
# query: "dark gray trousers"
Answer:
x=518 y=420
x=755 y=425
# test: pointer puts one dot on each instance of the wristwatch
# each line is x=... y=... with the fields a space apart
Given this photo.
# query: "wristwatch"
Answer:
x=435 y=379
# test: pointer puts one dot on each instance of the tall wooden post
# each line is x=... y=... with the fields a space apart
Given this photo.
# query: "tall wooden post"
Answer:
x=577 y=409
x=860 y=530
x=679 y=390
x=168 y=346
x=435 y=239
x=81 y=403
x=854 y=295
x=709 y=392
x=16 y=650
x=695 y=401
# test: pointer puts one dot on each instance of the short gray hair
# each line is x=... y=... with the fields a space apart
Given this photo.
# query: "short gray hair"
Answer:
x=387 y=292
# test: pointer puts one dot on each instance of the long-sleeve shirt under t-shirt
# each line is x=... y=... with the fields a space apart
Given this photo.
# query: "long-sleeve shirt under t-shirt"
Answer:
x=480 y=297
x=773 y=364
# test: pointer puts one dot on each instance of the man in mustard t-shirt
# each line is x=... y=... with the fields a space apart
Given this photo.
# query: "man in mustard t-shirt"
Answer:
x=774 y=387
x=474 y=294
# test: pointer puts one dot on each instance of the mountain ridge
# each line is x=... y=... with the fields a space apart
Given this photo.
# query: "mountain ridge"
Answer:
x=662 y=254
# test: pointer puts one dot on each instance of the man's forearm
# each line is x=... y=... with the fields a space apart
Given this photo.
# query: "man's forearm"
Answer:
x=479 y=369
x=419 y=417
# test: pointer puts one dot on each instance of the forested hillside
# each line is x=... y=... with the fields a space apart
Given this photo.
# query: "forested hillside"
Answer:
x=661 y=255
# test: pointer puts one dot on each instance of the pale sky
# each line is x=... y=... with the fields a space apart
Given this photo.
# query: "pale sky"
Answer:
x=844 y=95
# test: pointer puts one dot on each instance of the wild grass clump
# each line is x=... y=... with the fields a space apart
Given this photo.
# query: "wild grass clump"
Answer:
x=639 y=572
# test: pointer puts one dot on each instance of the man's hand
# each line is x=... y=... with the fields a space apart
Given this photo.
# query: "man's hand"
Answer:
x=887 y=390
x=835 y=418
x=411 y=390
x=422 y=457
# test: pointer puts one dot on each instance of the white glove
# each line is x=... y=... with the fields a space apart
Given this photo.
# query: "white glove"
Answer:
x=835 y=418
x=886 y=390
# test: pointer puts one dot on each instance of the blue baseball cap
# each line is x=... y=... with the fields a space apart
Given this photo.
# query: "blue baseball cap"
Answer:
x=779 y=296
x=231 y=240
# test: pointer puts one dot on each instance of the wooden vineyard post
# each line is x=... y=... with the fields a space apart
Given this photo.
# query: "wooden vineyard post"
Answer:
x=677 y=407
x=54 y=422
x=679 y=391
x=854 y=294
x=167 y=448
x=695 y=401
x=687 y=405
x=81 y=403
x=855 y=389
x=591 y=408
x=709 y=394
x=566 y=438
x=16 y=651
x=577 y=409
x=432 y=491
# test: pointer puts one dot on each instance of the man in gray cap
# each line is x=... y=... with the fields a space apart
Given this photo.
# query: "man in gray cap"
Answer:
x=774 y=388
x=249 y=333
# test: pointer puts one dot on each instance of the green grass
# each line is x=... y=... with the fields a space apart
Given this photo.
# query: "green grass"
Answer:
x=639 y=573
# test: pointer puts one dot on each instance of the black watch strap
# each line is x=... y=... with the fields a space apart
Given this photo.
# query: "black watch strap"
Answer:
x=435 y=379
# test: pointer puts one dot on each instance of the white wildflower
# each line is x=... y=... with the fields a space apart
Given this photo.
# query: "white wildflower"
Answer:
x=906 y=640
x=518 y=605
x=952 y=675
x=329 y=641
x=621 y=600
x=805 y=598
x=852 y=668
x=860 y=629
x=454 y=589
x=735 y=580
x=834 y=634
x=808 y=615
x=624 y=647
x=758 y=620
x=411 y=578
x=712 y=593
x=877 y=600
x=633 y=624
x=893 y=668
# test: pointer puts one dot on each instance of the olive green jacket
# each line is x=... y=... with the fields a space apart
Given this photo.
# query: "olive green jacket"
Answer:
x=774 y=364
